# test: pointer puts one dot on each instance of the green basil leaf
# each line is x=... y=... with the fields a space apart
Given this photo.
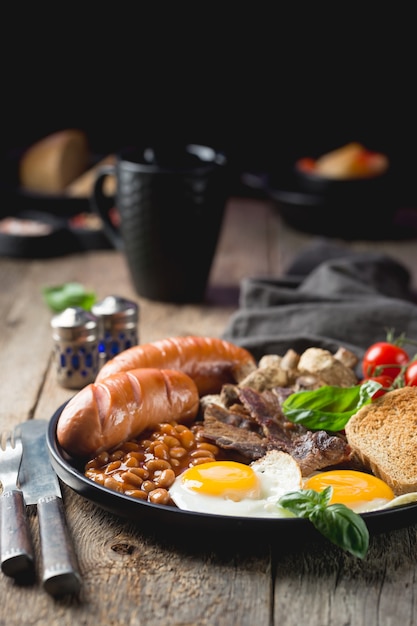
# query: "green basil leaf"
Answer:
x=328 y=408
x=60 y=297
x=343 y=527
x=336 y=522
x=302 y=502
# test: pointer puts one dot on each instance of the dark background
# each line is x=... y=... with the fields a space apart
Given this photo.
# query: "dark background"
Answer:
x=264 y=87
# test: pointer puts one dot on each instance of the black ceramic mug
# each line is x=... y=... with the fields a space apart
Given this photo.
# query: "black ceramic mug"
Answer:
x=169 y=205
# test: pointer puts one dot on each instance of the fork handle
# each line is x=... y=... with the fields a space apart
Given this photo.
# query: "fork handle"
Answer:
x=15 y=540
x=60 y=575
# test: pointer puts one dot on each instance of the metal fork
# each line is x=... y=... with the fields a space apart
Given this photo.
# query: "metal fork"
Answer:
x=16 y=551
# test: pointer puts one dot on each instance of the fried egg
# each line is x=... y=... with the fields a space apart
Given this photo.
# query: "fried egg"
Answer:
x=359 y=491
x=231 y=488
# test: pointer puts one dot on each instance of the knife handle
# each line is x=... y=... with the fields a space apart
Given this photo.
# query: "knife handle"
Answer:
x=15 y=540
x=60 y=575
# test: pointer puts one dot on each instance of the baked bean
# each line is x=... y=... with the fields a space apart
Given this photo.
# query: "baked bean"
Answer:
x=167 y=428
x=117 y=455
x=132 y=479
x=148 y=486
x=210 y=447
x=166 y=478
x=140 y=471
x=161 y=451
x=113 y=465
x=139 y=455
x=159 y=496
x=195 y=454
x=112 y=483
x=155 y=465
x=187 y=439
x=130 y=446
x=146 y=467
x=178 y=452
x=98 y=478
x=99 y=461
x=137 y=493
x=132 y=462
x=171 y=441
x=92 y=464
x=202 y=459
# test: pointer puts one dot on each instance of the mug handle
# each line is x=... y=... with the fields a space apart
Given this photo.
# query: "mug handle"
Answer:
x=101 y=205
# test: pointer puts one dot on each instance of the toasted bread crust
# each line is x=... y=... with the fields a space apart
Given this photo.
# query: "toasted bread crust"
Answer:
x=383 y=435
x=52 y=163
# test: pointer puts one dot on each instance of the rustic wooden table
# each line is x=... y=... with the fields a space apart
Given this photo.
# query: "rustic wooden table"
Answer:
x=129 y=576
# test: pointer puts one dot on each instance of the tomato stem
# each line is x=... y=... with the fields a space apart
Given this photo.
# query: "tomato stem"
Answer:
x=400 y=340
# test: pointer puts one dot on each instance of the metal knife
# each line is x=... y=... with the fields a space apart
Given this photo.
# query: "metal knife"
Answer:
x=40 y=486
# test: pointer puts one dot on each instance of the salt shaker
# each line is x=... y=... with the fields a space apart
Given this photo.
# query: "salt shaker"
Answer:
x=75 y=335
x=118 y=326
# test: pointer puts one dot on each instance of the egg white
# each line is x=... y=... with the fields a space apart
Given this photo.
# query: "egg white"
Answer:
x=406 y=498
x=278 y=473
x=378 y=504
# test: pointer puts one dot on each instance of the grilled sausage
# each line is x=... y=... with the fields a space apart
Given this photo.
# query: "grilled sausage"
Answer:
x=106 y=413
x=210 y=362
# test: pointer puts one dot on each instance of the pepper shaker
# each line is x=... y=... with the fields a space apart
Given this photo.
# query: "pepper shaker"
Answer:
x=118 y=326
x=75 y=335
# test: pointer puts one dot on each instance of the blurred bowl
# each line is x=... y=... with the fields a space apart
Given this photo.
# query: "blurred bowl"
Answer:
x=66 y=219
x=347 y=211
x=351 y=188
x=364 y=212
x=29 y=234
x=16 y=198
x=357 y=193
x=351 y=171
x=353 y=192
x=38 y=234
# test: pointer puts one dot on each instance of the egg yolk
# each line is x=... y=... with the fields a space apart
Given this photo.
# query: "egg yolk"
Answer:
x=350 y=487
x=228 y=479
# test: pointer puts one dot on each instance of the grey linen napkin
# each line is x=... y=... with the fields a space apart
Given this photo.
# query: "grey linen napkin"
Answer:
x=329 y=297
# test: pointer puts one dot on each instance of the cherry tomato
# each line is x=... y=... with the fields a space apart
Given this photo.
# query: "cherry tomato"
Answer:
x=384 y=358
x=384 y=380
x=410 y=373
x=412 y=382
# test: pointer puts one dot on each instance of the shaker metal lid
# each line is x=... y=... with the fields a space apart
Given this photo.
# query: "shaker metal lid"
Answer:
x=73 y=324
x=114 y=310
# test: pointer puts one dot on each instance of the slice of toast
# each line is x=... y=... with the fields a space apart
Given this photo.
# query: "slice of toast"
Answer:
x=383 y=435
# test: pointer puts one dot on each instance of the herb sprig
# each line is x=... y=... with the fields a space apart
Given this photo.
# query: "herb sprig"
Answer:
x=336 y=522
x=69 y=294
x=328 y=408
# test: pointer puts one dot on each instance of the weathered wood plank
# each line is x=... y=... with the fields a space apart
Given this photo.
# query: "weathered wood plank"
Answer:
x=337 y=589
x=130 y=577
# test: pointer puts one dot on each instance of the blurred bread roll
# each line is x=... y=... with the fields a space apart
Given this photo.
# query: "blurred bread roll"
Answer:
x=351 y=161
x=50 y=164
x=82 y=186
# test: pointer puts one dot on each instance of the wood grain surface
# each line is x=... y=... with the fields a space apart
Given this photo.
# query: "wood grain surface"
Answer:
x=132 y=576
